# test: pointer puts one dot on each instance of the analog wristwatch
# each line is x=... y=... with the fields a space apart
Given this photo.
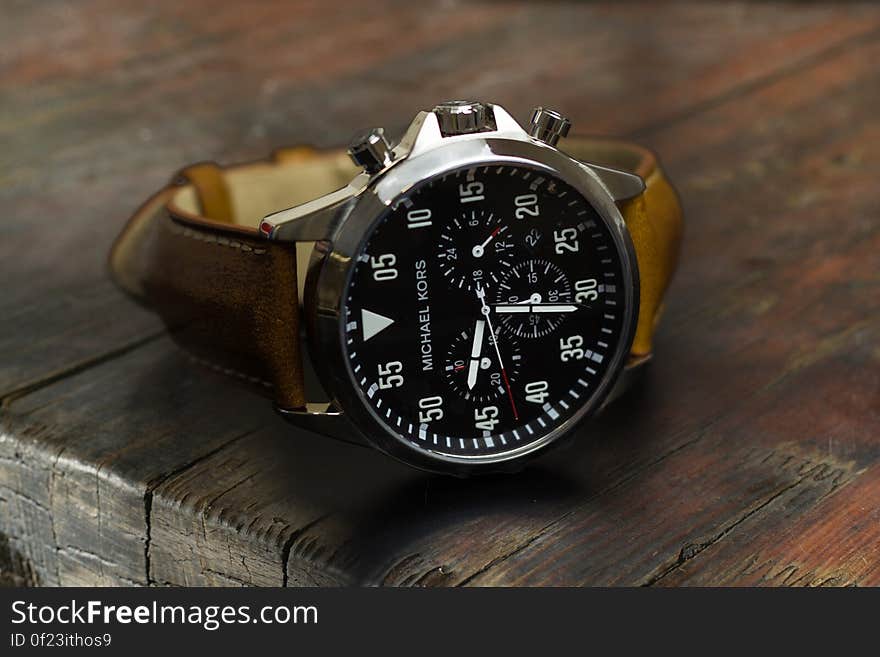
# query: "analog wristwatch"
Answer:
x=461 y=299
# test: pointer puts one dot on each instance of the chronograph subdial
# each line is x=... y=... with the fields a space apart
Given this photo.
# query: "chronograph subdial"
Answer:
x=533 y=299
x=474 y=247
x=471 y=368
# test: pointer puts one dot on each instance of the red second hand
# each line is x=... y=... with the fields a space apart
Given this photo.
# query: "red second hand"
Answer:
x=509 y=394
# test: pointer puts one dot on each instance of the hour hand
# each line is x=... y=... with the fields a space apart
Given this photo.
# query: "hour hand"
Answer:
x=476 y=350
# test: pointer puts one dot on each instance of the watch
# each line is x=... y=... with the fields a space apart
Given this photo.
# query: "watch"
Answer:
x=460 y=299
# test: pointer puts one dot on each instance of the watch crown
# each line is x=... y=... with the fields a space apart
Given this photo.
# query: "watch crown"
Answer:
x=548 y=125
x=370 y=150
x=461 y=117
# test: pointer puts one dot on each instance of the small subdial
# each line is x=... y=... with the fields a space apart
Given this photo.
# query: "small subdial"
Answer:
x=474 y=247
x=471 y=366
x=534 y=298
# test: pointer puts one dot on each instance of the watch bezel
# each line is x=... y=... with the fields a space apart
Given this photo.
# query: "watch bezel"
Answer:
x=331 y=274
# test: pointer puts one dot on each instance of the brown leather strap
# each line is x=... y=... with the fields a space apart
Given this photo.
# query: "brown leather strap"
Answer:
x=194 y=254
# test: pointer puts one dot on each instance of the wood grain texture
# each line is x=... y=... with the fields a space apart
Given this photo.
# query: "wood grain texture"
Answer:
x=750 y=453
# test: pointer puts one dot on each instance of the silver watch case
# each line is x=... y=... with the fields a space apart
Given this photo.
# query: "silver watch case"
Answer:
x=340 y=224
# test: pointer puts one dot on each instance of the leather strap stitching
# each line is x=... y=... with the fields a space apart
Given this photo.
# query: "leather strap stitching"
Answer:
x=219 y=240
x=230 y=372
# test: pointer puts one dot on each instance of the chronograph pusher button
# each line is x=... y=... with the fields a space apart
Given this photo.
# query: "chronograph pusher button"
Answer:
x=370 y=150
x=548 y=125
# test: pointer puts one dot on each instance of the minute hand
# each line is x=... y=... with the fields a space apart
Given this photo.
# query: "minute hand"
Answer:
x=507 y=308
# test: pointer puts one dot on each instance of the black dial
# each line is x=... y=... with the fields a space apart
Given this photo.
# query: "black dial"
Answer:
x=438 y=353
x=471 y=367
x=534 y=298
x=474 y=247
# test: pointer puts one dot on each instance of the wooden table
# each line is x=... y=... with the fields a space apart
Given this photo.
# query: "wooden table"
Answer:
x=749 y=455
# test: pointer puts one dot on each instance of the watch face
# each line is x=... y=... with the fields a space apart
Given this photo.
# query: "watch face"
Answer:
x=484 y=310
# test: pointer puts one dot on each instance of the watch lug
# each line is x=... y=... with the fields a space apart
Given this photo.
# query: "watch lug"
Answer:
x=633 y=370
x=422 y=134
x=314 y=220
x=620 y=184
x=325 y=419
x=506 y=124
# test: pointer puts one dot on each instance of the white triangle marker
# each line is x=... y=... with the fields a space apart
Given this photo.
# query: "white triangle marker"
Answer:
x=373 y=323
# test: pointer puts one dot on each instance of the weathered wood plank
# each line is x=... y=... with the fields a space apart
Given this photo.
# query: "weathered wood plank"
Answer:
x=241 y=524
x=82 y=478
x=806 y=538
x=70 y=331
